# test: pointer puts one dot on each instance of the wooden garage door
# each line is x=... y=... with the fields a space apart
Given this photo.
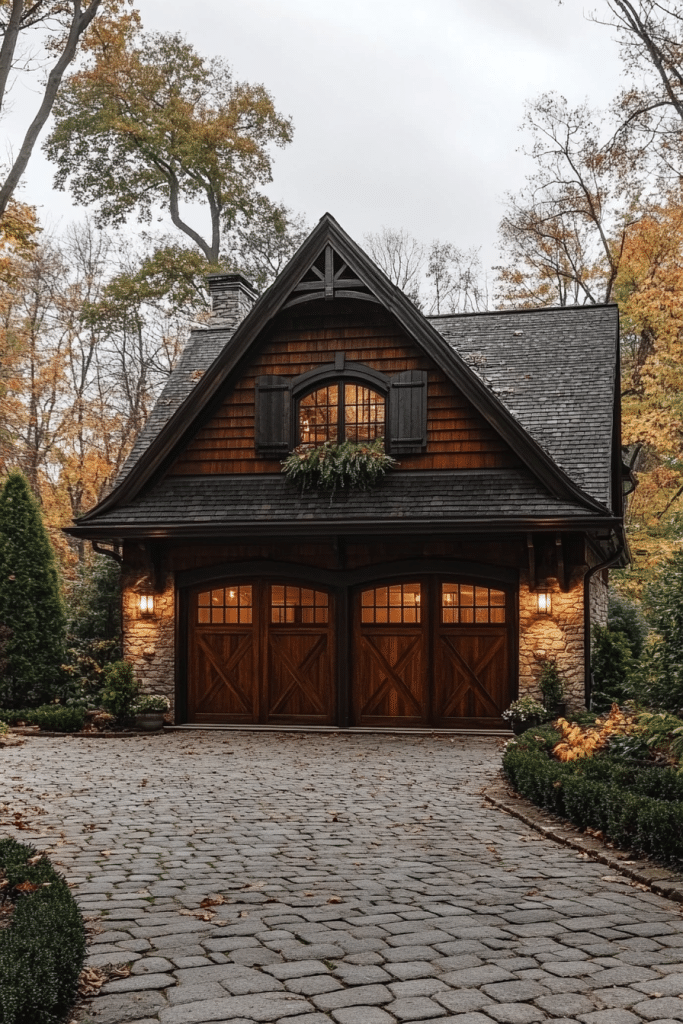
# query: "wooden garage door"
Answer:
x=299 y=677
x=389 y=657
x=472 y=684
x=261 y=652
x=224 y=655
x=432 y=653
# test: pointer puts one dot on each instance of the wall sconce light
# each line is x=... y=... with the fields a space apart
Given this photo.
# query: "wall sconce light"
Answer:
x=544 y=602
x=147 y=605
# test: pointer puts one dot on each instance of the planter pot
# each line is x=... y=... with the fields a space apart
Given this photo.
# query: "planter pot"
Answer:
x=559 y=710
x=150 y=721
x=519 y=726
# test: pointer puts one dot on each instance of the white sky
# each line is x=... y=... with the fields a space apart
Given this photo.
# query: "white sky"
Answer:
x=405 y=111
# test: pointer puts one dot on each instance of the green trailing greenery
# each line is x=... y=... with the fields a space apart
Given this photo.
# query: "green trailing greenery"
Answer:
x=31 y=606
x=42 y=950
x=636 y=807
x=121 y=690
x=335 y=467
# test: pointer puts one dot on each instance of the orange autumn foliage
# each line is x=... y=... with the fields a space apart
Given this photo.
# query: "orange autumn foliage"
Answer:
x=579 y=742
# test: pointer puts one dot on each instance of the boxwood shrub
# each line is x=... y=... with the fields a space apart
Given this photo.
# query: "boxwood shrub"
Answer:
x=637 y=808
x=50 y=717
x=42 y=949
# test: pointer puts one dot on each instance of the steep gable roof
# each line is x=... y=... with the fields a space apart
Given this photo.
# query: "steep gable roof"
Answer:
x=219 y=355
x=556 y=370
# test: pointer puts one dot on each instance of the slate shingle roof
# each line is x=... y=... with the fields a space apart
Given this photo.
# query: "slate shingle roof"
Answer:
x=430 y=498
x=554 y=369
x=200 y=351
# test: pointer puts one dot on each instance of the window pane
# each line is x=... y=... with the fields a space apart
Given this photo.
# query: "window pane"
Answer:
x=363 y=413
x=398 y=604
x=298 y=605
x=225 y=605
x=464 y=603
x=318 y=416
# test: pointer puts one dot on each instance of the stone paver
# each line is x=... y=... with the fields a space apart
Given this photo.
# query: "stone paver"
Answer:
x=362 y=881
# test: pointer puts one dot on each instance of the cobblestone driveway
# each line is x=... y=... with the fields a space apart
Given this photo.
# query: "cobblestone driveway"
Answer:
x=366 y=883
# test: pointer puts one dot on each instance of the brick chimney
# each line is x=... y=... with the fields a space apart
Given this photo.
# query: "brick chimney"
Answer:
x=232 y=296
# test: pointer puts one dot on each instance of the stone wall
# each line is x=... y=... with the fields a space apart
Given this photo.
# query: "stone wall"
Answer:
x=148 y=643
x=558 y=637
x=599 y=597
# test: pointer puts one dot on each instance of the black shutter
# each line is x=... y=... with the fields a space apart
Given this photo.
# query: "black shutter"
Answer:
x=408 y=412
x=273 y=411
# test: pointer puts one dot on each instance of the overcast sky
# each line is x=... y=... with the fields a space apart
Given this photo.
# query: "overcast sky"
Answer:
x=406 y=112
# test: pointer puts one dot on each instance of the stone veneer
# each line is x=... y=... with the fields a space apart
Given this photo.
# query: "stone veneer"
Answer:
x=148 y=643
x=557 y=637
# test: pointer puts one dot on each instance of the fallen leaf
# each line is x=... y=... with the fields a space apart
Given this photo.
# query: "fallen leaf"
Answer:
x=26 y=887
x=203 y=915
x=335 y=899
x=213 y=901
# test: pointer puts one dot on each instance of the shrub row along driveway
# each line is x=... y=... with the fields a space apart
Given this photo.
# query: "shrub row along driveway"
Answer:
x=366 y=883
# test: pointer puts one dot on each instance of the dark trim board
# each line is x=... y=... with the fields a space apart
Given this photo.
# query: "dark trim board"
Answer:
x=338 y=579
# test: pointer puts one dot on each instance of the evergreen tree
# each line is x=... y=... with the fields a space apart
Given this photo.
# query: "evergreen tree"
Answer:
x=31 y=606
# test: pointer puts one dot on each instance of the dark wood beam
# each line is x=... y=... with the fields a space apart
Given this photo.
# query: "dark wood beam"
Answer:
x=531 y=553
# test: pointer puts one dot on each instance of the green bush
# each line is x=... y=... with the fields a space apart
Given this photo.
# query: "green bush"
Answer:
x=659 y=681
x=56 y=718
x=50 y=717
x=640 y=809
x=551 y=685
x=612 y=665
x=121 y=689
x=93 y=628
x=31 y=606
x=625 y=616
x=42 y=950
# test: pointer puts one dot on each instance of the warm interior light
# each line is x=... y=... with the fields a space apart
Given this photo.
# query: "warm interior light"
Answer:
x=146 y=604
x=544 y=602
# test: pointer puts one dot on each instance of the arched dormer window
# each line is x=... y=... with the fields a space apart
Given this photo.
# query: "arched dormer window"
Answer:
x=341 y=401
x=340 y=411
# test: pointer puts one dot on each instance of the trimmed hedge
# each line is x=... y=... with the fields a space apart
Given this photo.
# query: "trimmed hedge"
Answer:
x=43 y=949
x=639 y=809
x=50 y=717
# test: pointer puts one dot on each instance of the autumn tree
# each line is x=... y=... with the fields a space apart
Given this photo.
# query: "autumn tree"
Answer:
x=147 y=124
x=563 y=235
x=34 y=33
x=648 y=111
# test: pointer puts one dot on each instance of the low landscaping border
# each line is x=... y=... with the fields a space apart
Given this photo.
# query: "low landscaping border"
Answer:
x=637 y=808
x=42 y=948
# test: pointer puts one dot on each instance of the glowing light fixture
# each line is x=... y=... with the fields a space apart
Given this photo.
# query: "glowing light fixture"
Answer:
x=544 y=602
x=147 y=605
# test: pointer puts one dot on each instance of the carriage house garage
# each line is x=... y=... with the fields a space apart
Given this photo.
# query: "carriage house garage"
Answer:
x=432 y=599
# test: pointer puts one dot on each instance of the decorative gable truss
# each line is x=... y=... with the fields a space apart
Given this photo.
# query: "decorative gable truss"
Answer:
x=329 y=277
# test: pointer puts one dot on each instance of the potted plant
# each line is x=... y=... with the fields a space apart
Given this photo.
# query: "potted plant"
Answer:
x=552 y=688
x=524 y=713
x=149 y=712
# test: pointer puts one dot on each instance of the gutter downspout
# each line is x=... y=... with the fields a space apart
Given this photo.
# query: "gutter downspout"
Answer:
x=588 y=677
